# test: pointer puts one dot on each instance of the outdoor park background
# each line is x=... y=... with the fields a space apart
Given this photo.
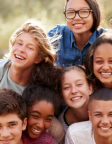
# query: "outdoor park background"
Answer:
x=14 y=12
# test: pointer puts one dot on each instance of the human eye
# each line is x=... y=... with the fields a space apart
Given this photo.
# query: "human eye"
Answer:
x=12 y=124
x=34 y=116
x=48 y=119
x=30 y=47
x=79 y=84
x=84 y=11
x=70 y=13
x=18 y=43
x=110 y=114
x=97 y=115
x=98 y=61
x=66 y=87
x=110 y=61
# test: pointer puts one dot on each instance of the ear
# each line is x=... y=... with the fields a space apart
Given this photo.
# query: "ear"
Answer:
x=24 y=124
x=90 y=89
x=89 y=115
x=38 y=60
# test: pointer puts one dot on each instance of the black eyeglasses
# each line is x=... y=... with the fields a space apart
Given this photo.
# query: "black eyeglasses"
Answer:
x=83 y=13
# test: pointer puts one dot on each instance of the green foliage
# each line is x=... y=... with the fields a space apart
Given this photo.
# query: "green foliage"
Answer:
x=14 y=12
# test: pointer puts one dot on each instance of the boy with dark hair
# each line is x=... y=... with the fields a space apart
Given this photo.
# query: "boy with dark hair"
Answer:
x=99 y=130
x=12 y=117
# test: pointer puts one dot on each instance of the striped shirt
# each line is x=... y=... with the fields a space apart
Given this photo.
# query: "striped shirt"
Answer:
x=44 y=138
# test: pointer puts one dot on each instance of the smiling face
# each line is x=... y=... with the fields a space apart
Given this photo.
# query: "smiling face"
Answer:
x=11 y=129
x=100 y=114
x=102 y=64
x=75 y=89
x=24 y=52
x=79 y=25
x=40 y=117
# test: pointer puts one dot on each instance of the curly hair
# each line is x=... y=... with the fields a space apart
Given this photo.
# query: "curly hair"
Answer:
x=36 y=92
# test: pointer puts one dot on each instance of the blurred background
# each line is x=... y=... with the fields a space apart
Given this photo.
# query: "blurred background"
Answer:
x=14 y=12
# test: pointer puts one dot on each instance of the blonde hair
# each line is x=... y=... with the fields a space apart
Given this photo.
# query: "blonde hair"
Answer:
x=35 y=28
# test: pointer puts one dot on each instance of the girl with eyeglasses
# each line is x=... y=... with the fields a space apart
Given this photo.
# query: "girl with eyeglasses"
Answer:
x=82 y=29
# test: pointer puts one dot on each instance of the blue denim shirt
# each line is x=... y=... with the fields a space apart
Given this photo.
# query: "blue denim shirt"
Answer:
x=69 y=53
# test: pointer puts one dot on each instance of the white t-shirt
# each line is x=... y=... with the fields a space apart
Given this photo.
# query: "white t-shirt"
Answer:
x=80 y=133
x=5 y=80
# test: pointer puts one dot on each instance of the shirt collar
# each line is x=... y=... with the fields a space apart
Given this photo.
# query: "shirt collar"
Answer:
x=90 y=41
x=72 y=38
x=93 y=37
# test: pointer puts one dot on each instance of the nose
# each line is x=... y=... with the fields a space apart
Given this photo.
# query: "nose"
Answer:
x=5 y=133
x=40 y=124
x=74 y=89
x=105 y=120
x=105 y=66
x=77 y=16
x=21 y=48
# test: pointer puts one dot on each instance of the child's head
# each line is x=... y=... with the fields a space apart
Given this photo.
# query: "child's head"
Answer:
x=98 y=61
x=12 y=116
x=89 y=4
x=36 y=31
x=75 y=86
x=41 y=102
x=100 y=112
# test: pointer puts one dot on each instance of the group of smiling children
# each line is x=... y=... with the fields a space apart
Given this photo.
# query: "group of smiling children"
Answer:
x=40 y=102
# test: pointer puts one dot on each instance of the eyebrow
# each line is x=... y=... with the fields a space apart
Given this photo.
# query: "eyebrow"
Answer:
x=79 y=9
x=11 y=122
x=75 y=81
x=40 y=113
x=97 y=112
x=22 y=41
x=102 y=58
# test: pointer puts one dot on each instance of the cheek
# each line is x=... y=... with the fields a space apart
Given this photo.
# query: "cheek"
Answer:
x=30 y=121
x=47 y=125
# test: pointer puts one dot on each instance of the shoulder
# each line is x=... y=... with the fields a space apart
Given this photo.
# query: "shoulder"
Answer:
x=59 y=29
x=56 y=129
x=3 y=63
x=79 y=126
x=80 y=132
x=100 y=30
x=48 y=138
x=63 y=120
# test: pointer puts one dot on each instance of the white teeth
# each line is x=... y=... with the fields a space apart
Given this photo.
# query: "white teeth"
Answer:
x=78 y=24
x=106 y=73
x=76 y=98
x=19 y=57
x=104 y=128
x=36 y=130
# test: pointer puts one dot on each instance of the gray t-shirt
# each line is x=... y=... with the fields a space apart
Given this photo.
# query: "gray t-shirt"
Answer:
x=62 y=119
x=5 y=80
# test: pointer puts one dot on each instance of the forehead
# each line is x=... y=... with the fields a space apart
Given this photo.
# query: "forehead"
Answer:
x=43 y=107
x=4 y=119
x=77 y=5
x=102 y=49
x=74 y=75
x=27 y=37
x=101 y=106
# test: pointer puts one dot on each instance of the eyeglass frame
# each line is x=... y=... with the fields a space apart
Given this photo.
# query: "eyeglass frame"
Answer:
x=77 y=12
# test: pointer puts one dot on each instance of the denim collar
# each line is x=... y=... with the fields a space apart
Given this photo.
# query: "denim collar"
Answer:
x=90 y=41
